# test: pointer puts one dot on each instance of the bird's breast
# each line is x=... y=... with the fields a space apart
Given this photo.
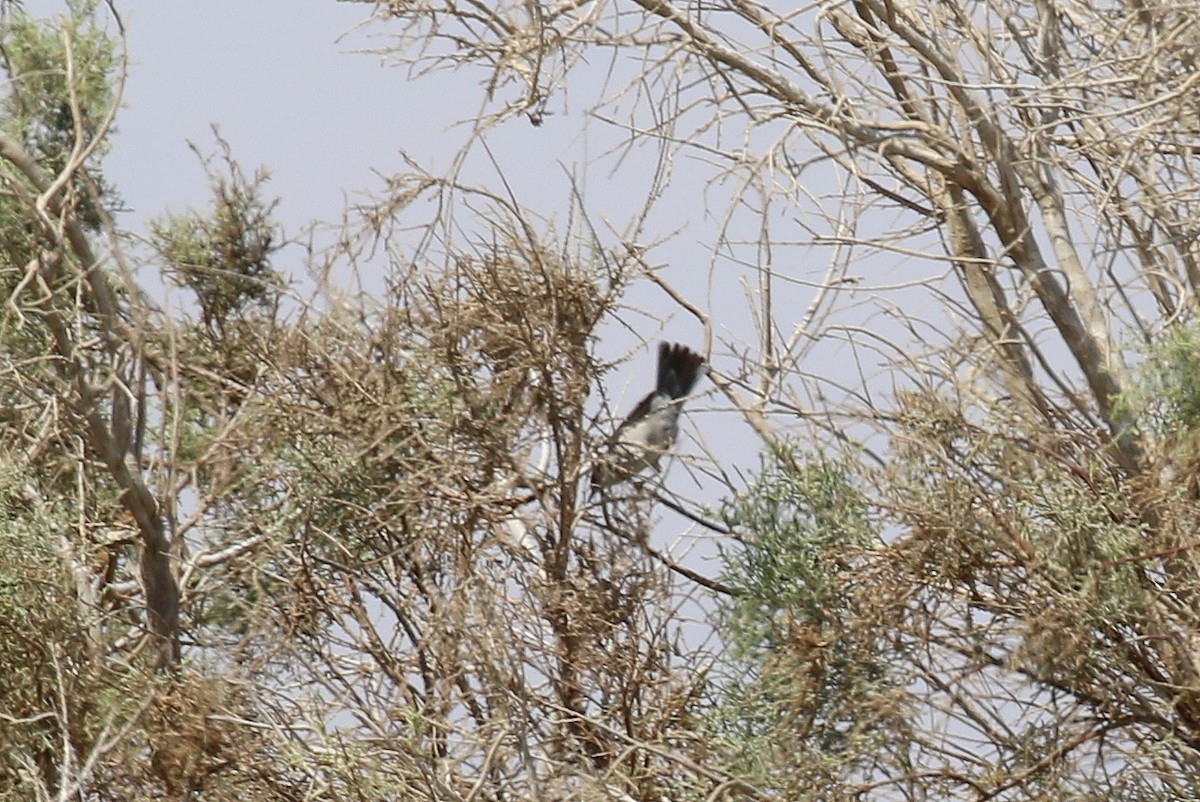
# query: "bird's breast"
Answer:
x=656 y=430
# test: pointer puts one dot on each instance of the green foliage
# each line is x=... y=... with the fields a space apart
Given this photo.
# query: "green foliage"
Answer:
x=803 y=516
x=27 y=560
x=224 y=255
x=56 y=88
x=58 y=100
x=798 y=703
x=53 y=685
x=1033 y=526
x=1165 y=398
x=1083 y=535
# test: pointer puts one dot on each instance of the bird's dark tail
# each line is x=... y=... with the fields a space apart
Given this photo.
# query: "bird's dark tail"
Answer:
x=678 y=369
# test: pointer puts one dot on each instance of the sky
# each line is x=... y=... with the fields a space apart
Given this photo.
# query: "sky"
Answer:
x=294 y=88
x=283 y=91
x=301 y=95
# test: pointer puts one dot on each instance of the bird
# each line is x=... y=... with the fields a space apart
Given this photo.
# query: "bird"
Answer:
x=650 y=430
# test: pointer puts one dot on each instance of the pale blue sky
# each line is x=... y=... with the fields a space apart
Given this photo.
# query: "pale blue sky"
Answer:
x=291 y=89
x=284 y=93
x=299 y=94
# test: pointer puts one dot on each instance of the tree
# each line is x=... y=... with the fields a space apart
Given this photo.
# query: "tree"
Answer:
x=1022 y=443
x=266 y=545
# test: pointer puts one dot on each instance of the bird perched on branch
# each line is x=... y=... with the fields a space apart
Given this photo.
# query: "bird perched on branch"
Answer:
x=650 y=430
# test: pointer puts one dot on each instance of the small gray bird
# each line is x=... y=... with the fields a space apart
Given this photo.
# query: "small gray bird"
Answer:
x=650 y=430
